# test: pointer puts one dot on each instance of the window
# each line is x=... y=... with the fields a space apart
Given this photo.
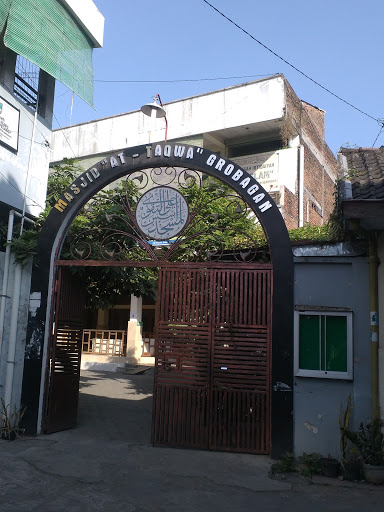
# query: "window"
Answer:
x=255 y=147
x=323 y=344
x=26 y=81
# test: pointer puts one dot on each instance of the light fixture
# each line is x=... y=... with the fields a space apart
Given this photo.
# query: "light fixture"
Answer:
x=156 y=110
x=153 y=109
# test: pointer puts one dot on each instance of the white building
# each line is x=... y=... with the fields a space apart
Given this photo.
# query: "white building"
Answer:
x=261 y=125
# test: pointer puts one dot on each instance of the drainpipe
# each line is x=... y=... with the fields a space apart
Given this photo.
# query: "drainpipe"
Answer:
x=373 y=304
x=301 y=185
x=4 y=290
x=12 y=335
x=29 y=167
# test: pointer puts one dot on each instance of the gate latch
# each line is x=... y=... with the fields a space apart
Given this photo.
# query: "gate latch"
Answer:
x=281 y=386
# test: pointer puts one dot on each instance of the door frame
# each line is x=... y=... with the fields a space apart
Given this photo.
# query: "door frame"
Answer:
x=126 y=162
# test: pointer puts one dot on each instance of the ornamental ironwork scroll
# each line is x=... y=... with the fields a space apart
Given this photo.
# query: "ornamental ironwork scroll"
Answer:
x=167 y=214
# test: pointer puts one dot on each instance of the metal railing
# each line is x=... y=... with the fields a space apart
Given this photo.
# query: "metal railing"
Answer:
x=104 y=342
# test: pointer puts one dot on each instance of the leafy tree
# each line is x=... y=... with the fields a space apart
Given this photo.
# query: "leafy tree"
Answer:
x=220 y=222
x=103 y=284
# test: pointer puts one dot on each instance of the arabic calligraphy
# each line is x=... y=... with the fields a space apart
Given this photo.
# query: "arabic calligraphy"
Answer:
x=162 y=213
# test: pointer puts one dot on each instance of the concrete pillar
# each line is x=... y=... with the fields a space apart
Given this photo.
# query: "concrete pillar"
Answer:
x=134 y=339
x=136 y=309
x=46 y=96
x=7 y=67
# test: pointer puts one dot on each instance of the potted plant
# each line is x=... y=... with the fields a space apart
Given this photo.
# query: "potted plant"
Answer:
x=9 y=422
x=330 y=466
x=369 y=442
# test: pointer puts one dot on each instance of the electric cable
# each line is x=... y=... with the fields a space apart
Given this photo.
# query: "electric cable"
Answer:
x=182 y=79
x=378 y=135
x=288 y=63
x=20 y=192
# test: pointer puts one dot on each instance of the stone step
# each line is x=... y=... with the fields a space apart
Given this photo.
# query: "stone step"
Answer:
x=131 y=369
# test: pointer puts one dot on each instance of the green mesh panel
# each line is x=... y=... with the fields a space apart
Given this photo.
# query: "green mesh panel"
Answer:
x=4 y=10
x=43 y=32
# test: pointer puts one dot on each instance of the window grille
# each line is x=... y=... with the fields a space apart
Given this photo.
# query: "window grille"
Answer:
x=26 y=84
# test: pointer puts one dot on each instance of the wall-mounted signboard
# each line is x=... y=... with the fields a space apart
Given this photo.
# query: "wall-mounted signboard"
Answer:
x=264 y=167
x=9 y=125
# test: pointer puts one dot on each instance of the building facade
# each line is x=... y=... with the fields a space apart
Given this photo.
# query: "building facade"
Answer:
x=262 y=126
x=30 y=63
x=362 y=202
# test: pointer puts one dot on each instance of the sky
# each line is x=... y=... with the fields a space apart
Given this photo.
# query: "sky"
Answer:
x=179 y=49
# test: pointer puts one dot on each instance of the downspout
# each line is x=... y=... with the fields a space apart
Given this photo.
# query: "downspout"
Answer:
x=4 y=290
x=373 y=304
x=300 y=187
x=12 y=335
x=29 y=166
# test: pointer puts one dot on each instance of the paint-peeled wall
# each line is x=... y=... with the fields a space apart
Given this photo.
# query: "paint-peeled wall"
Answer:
x=22 y=317
x=256 y=103
x=337 y=282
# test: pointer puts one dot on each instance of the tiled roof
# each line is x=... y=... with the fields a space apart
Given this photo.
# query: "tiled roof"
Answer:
x=365 y=171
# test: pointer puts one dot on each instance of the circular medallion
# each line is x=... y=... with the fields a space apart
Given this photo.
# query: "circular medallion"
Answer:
x=162 y=213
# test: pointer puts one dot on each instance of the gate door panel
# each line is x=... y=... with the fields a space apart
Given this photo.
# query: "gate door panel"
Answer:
x=180 y=412
x=212 y=374
x=240 y=363
x=64 y=377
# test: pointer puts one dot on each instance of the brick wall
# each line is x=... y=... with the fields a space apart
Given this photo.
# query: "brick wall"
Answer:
x=318 y=190
x=312 y=125
x=313 y=120
x=289 y=208
x=320 y=165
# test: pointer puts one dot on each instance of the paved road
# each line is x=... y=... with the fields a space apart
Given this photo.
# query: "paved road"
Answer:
x=108 y=464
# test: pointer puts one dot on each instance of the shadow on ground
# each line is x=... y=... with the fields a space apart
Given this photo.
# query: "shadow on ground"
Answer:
x=116 y=406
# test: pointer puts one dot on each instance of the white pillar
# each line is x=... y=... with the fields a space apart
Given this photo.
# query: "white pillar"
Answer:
x=134 y=339
x=136 y=308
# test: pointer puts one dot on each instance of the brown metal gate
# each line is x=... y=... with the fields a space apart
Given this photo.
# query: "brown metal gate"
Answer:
x=65 y=357
x=213 y=352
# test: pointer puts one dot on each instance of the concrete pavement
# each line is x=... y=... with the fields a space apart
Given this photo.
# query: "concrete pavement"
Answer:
x=108 y=464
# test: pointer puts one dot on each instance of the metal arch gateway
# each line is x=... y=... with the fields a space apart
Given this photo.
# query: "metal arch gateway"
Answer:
x=124 y=163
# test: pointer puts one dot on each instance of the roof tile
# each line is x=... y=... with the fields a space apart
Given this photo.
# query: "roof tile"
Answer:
x=366 y=171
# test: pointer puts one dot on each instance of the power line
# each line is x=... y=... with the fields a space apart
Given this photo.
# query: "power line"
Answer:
x=44 y=144
x=20 y=192
x=183 y=80
x=381 y=121
x=288 y=63
x=65 y=137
